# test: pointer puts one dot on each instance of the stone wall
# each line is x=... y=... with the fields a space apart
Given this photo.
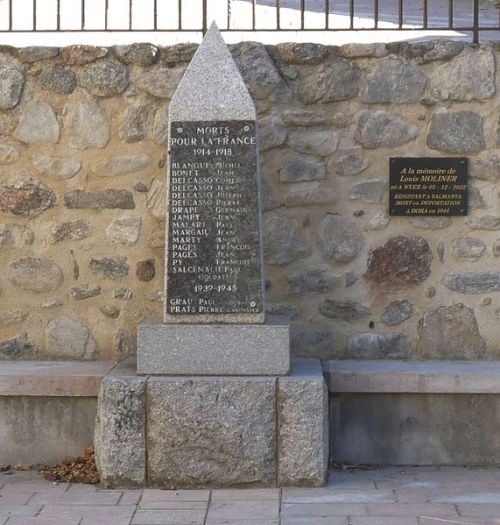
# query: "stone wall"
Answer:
x=82 y=154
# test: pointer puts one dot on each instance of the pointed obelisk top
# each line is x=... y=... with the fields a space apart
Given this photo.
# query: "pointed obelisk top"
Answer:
x=212 y=87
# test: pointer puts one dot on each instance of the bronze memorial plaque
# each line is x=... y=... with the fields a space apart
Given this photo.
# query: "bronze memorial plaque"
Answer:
x=428 y=186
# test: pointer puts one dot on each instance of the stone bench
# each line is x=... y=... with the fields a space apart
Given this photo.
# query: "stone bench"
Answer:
x=414 y=413
x=47 y=409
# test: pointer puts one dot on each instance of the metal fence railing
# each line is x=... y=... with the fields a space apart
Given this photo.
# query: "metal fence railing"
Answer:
x=468 y=16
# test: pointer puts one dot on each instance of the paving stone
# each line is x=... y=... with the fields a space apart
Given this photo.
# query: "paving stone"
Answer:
x=15 y=498
x=382 y=521
x=224 y=510
x=154 y=498
x=327 y=520
x=104 y=521
x=19 y=510
x=168 y=517
x=435 y=510
x=326 y=495
x=78 y=498
x=245 y=494
x=218 y=521
x=45 y=521
x=95 y=512
x=302 y=510
x=479 y=510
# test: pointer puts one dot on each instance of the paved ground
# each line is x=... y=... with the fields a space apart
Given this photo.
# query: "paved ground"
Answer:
x=392 y=496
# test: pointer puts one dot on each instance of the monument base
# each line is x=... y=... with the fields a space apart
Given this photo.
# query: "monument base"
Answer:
x=194 y=432
x=215 y=349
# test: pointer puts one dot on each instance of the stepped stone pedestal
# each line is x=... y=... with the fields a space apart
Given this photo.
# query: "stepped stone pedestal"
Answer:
x=213 y=431
x=215 y=349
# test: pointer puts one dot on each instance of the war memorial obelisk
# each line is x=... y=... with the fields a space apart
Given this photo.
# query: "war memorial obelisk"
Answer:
x=214 y=306
x=211 y=400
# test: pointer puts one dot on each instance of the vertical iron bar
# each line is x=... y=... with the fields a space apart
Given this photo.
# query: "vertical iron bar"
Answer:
x=179 y=12
x=278 y=15
x=254 y=6
x=450 y=13
x=155 y=15
x=475 y=33
x=83 y=15
x=351 y=14
x=228 y=14
x=401 y=18
x=205 y=16
x=302 y=13
x=375 y=13
x=130 y=9
x=10 y=15
x=106 y=9
x=327 y=14
x=426 y=14
x=58 y=15
x=34 y=15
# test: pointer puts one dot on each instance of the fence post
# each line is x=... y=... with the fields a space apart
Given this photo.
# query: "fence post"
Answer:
x=205 y=17
x=475 y=31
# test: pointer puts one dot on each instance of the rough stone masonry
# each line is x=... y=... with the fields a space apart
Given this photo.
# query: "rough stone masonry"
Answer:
x=82 y=203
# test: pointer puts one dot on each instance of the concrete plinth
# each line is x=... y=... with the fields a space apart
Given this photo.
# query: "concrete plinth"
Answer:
x=200 y=431
x=226 y=349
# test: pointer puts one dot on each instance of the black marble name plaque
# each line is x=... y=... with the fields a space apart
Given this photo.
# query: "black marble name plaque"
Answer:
x=213 y=251
x=428 y=186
